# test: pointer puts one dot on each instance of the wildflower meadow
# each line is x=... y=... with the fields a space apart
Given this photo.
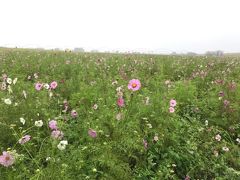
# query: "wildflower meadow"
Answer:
x=66 y=115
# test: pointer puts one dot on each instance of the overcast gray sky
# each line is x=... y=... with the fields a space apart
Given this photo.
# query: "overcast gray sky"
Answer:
x=142 y=25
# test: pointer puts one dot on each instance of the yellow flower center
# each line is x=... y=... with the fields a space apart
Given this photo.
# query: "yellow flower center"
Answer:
x=7 y=158
x=134 y=85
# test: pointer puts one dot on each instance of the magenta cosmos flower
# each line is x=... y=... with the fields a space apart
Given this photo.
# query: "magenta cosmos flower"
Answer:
x=6 y=159
x=173 y=103
x=53 y=85
x=24 y=139
x=134 y=85
x=52 y=124
x=171 y=110
x=92 y=133
x=120 y=102
x=38 y=86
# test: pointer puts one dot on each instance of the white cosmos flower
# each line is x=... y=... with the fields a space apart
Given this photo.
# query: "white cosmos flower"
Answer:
x=25 y=94
x=62 y=145
x=15 y=81
x=8 y=101
x=22 y=120
x=39 y=123
x=46 y=86
x=9 y=80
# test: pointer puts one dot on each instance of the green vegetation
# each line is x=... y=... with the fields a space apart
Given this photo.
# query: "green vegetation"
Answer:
x=103 y=138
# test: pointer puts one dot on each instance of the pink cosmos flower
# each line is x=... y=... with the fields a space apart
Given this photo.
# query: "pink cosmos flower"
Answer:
x=134 y=85
x=145 y=143
x=52 y=124
x=38 y=86
x=24 y=139
x=171 y=110
x=74 y=113
x=221 y=94
x=173 y=102
x=56 y=134
x=92 y=133
x=53 y=85
x=6 y=159
x=120 y=102
x=226 y=103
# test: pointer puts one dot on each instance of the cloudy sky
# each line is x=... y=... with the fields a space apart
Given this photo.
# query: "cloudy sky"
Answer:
x=135 y=25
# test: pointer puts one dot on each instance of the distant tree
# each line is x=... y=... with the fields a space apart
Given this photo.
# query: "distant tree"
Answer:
x=191 y=54
x=78 y=50
x=215 y=53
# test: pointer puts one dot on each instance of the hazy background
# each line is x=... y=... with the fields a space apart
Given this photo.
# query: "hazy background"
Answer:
x=126 y=25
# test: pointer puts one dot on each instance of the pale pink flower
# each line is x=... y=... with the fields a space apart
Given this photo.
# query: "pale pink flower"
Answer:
x=24 y=139
x=173 y=103
x=56 y=134
x=226 y=103
x=74 y=113
x=119 y=116
x=53 y=85
x=221 y=94
x=134 y=85
x=92 y=133
x=52 y=124
x=145 y=143
x=6 y=159
x=218 y=137
x=38 y=86
x=120 y=102
x=171 y=110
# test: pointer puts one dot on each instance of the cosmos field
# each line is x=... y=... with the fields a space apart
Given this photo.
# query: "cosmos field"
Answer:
x=66 y=115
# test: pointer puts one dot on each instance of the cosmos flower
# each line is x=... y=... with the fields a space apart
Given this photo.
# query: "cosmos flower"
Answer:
x=226 y=103
x=134 y=85
x=9 y=80
x=24 y=139
x=39 y=123
x=53 y=85
x=38 y=86
x=120 y=102
x=74 y=113
x=92 y=133
x=173 y=103
x=15 y=81
x=226 y=149
x=46 y=86
x=8 y=101
x=95 y=107
x=24 y=94
x=6 y=159
x=171 y=110
x=3 y=86
x=119 y=116
x=62 y=145
x=155 y=138
x=56 y=134
x=22 y=120
x=218 y=137
x=52 y=124
x=145 y=143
